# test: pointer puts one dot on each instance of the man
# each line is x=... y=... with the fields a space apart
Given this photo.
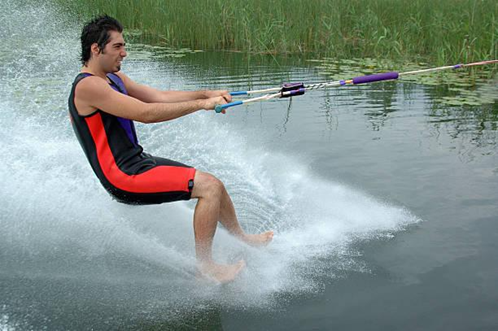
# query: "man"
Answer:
x=103 y=104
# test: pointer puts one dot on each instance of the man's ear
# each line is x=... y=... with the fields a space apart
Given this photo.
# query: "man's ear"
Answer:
x=95 y=49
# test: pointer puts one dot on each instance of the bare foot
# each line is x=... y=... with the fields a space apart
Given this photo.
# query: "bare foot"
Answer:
x=261 y=239
x=220 y=272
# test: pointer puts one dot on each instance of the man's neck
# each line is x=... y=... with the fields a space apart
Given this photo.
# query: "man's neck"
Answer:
x=94 y=70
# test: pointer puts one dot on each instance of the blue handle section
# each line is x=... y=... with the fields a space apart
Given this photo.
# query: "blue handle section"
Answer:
x=219 y=108
x=239 y=93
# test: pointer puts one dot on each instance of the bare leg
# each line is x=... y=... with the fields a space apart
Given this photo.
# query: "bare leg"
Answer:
x=209 y=191
x=229 y=220
x=215 y=205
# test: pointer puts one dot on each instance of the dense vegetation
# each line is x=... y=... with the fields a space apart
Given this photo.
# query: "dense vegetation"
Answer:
x=443 y=31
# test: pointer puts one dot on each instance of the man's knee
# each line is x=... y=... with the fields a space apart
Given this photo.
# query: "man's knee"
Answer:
x=206 y=184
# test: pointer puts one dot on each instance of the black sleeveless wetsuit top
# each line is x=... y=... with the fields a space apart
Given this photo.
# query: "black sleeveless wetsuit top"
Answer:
x=130 y=175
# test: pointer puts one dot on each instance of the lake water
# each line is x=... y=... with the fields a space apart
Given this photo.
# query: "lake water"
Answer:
x=383 y=199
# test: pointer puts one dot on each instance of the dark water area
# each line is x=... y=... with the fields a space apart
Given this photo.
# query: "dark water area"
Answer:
x=383 y=199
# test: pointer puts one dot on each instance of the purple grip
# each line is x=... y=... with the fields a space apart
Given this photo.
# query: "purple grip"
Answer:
x=375 y=78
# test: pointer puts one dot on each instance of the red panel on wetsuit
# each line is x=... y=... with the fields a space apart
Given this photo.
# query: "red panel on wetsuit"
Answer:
x=155 y=180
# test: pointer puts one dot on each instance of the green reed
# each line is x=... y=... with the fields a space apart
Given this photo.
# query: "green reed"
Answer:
x=444 y=31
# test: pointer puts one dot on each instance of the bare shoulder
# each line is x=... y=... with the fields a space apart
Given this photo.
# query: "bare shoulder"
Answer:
x=90 y=84
x=131 y=86
x=139 y=91
x=121 y=75
x=126 y=80
x=87 y=91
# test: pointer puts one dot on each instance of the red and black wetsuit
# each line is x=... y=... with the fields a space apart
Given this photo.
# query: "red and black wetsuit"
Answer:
x=130 y=175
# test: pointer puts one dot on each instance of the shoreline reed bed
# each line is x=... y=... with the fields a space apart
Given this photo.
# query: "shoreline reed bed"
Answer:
x=443 y=31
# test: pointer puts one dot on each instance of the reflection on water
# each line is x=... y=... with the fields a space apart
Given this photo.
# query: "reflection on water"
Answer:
x=462 y=101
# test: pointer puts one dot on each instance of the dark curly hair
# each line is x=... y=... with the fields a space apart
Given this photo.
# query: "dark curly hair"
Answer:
x=97 y=31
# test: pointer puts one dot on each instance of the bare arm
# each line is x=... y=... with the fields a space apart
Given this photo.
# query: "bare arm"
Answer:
x=149 y=94
x=94 y=93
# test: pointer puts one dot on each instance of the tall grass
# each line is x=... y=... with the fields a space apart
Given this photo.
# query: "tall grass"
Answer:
x=443 y=31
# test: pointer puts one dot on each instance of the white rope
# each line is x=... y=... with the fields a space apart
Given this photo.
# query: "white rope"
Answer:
x=346 y=82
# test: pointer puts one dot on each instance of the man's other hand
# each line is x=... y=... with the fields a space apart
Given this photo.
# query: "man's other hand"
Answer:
x=219 y=93
x=211 y=103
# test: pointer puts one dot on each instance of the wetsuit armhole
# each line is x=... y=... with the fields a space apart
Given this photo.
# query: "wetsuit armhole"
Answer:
x=89 y=115
x=74 y=96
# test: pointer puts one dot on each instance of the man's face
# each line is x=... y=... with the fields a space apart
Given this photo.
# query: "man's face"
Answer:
x=114 y=52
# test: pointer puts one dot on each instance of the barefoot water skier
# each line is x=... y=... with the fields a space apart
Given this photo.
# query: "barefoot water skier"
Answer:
x=103 y=104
